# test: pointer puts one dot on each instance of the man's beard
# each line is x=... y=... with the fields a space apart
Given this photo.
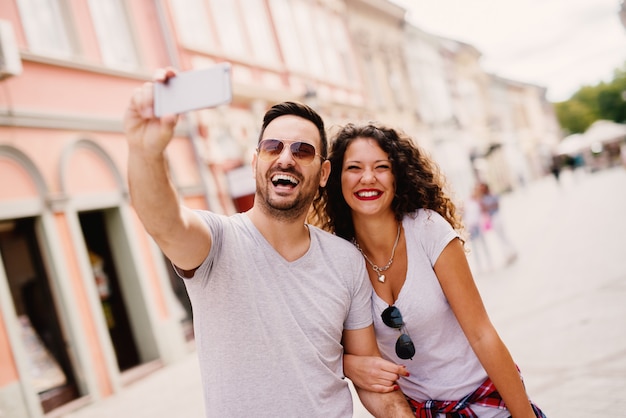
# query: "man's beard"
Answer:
x=281 y=209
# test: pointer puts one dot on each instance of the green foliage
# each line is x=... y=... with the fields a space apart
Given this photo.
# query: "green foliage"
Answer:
x=590 y=103
x=574 y=116
x=611 y=105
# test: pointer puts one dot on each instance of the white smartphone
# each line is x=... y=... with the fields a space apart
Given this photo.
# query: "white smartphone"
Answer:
x=192 y=90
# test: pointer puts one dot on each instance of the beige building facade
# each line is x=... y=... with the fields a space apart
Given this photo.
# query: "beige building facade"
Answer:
x=478 y=126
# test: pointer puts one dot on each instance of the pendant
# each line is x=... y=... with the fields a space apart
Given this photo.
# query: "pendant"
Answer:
x=381 y=278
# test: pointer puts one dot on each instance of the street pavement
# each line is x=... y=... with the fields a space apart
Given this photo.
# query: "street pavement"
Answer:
x=560 y=307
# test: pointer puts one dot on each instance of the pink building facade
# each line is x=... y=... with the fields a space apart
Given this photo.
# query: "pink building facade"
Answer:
x=83 y=310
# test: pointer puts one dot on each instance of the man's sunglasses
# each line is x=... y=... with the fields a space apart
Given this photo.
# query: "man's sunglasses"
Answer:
x=404 y=345
x=303 y=152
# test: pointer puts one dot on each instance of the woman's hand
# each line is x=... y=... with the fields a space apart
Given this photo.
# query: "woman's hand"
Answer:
x=373 y=373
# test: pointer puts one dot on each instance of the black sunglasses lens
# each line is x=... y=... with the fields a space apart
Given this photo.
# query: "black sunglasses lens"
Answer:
x=404 y=347
x=392 y=317
x=303 y=151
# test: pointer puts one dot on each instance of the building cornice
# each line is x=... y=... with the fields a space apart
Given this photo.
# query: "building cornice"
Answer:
x=70 y=122
x=77 y=64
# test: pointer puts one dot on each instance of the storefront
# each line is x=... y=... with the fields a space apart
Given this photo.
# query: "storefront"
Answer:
x=86 y=300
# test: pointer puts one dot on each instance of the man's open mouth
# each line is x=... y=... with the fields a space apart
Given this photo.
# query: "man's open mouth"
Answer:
x=281 y=179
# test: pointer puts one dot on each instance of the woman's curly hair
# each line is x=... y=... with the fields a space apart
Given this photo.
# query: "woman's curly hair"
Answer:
x=419 y=182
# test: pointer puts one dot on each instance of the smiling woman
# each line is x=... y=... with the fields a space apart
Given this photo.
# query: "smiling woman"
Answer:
x=386 y=196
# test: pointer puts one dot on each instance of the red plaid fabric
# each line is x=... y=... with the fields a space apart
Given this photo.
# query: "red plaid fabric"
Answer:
x=485 y=395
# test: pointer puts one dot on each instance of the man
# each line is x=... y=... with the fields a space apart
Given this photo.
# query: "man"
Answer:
x=276 y=302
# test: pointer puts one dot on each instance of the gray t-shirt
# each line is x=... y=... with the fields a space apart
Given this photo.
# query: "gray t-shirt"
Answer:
x=268 y=331
x=445 y=366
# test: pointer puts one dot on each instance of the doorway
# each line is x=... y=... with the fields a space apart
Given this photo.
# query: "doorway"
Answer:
x=112 y=300
x=49 y=365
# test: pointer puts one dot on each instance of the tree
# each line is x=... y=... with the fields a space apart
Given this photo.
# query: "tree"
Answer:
x=591 y=103
x=612 y=98
x=574 y=116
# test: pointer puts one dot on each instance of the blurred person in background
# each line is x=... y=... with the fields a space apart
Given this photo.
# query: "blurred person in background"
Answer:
x=474 y=224
x=490 y=204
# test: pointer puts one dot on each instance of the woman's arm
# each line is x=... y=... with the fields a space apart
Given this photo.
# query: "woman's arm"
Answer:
x=458 y=285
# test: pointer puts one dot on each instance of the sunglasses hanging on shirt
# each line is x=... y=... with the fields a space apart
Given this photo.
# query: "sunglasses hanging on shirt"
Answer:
x=405 y=349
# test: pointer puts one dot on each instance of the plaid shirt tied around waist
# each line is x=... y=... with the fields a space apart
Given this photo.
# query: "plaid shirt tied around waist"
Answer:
x=485 y=395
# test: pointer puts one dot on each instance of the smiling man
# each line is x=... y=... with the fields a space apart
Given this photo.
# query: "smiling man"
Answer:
x=274 y=307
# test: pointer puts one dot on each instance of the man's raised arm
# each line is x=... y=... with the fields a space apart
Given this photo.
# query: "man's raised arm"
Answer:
x=180 y=233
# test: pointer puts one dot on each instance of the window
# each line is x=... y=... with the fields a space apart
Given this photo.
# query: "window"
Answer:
x=309 y=38
x=46 y=27
x=396 y=83
x=287 y=33
x=114 y=35
x=337 y=49
x=372 y=82
x=229 y=28
x=192 y=23
x=235 y=29
x=262 y=41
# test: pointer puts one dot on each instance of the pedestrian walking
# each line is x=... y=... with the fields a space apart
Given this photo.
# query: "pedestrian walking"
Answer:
x=474 y=223
x=490 y=204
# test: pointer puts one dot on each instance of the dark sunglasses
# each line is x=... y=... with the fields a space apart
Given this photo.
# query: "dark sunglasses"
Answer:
x=404 y=345
x=303 y=152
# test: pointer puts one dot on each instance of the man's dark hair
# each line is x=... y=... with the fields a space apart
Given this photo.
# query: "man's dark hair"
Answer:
x=301 y=110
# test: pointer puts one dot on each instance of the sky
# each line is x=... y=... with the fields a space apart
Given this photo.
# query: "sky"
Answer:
x=559 y=44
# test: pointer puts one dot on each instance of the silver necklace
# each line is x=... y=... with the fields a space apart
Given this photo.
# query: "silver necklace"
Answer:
x=377 y=269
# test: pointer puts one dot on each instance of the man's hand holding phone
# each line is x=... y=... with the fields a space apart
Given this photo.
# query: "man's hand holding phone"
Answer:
x=153 y=112
x=191 y=90
x=144 y=131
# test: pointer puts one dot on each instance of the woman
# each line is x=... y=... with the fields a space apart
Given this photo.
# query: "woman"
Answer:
x=490 y=204
x=387 y=197
x=474 y=220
